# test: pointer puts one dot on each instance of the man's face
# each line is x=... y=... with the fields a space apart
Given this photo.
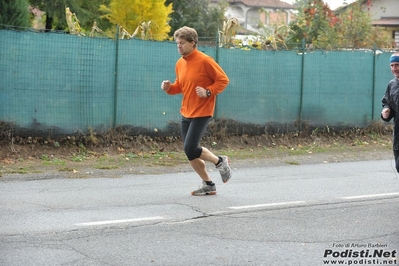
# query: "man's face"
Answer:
x=184 y=47
x=395 y=69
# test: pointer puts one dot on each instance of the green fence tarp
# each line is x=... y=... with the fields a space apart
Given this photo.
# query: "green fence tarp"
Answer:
x=65 y=83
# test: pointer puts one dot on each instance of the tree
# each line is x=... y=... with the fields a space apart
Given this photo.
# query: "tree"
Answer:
x=197 y=14
x=355 y=28
x=14 y=13
x=86 y=10
x=315 y=23
x=55 y=12
x=131 y=14
x=351 y=28
x=93 y=13
x=299 y=3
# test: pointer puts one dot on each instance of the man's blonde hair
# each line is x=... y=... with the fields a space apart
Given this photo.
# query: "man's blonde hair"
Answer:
x=186 y=33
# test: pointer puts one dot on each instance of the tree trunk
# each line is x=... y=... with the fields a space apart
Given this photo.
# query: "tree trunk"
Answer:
x=49 y=23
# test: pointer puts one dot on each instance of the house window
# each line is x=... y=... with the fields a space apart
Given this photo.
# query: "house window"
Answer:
x=396 y=37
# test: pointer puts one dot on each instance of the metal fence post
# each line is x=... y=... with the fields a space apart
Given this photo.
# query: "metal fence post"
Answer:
x=217 y=61
x=115 y=116
x=373 y=88
x=217 y=48
x=302 y=84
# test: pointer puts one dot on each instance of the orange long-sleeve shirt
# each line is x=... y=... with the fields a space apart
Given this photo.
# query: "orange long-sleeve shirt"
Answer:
x=198 y=69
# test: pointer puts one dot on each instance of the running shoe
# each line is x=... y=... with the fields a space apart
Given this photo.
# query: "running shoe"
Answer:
x=224 y=169
x=204 y=190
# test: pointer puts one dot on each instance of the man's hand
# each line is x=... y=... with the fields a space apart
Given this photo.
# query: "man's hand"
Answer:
x=201 y=92
x=385 y=113
x=165 y=85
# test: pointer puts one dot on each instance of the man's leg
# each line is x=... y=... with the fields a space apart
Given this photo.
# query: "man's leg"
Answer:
x=396 y=156
x=199 y=166
x=192 y=131
x=208 y=187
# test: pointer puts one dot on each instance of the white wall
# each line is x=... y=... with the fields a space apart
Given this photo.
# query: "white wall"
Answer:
x=384 y=8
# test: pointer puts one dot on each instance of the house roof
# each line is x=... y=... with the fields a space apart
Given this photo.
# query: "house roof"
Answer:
x=263 y=3
x=386 y=21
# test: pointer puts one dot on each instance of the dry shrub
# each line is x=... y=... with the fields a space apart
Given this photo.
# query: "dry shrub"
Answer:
x=219 y=130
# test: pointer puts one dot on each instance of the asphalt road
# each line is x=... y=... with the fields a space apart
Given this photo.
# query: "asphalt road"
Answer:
x=317 y=214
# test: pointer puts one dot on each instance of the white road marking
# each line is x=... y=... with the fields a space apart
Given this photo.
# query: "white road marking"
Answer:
x=372 y=196
x=303 y=202
x=121 y=221
x=108 y=222
x=266 y=205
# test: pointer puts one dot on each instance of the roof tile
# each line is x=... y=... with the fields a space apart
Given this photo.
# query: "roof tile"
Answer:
x=387 y=22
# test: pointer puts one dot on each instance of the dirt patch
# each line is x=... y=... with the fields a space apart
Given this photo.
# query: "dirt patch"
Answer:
x=113 y=156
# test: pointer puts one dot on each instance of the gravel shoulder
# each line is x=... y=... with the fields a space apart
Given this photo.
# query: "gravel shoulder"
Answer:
x=36 y=169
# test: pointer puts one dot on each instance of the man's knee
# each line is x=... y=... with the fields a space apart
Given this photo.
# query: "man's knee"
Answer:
x=192 y=152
